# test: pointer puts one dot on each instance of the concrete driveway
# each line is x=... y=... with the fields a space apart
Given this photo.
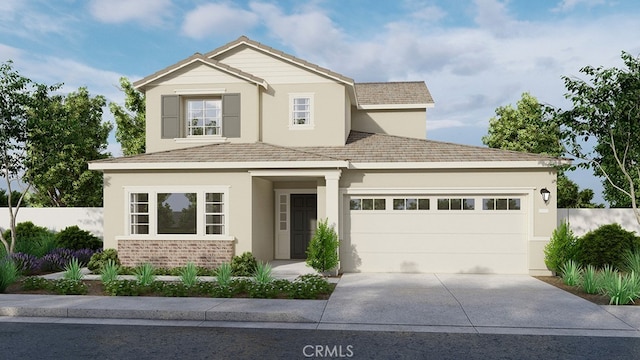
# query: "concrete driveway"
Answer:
x=470 y=303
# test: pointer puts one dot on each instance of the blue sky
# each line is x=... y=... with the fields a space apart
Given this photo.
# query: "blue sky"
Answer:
x=474 y=55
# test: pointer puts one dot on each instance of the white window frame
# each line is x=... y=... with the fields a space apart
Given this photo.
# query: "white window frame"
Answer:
x=292 y=124
x=188 y=111
x=201 y=192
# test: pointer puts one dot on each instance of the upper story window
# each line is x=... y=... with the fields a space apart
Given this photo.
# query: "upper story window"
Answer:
x=300 y=111
x=204 y=116
x=198 y=116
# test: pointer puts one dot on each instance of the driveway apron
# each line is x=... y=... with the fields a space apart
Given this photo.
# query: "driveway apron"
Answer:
x=462 y=300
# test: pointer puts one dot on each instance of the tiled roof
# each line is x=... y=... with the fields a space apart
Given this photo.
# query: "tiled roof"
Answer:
x=281 y=54
x=367 y=147
x=223 y=152
x=361 y=147
x=393 y=93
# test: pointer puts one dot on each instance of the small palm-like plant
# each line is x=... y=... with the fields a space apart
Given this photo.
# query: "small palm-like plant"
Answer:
x=189 y=275
x=223 y=275
x=8 y=273
x=622 y=290
x=632 y=261
x=263 y=274
x=571 y=273
x=590 y=280
x=145 y=274
x=73 y=270
x=109 y=271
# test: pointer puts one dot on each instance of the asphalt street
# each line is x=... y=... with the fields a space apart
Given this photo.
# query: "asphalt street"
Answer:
x=82 y=341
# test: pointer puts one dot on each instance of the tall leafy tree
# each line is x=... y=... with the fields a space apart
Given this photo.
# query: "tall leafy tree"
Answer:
x=527 y=128
x=130 y=120
x=606 y=108
x=18 y=97
x=63 y=136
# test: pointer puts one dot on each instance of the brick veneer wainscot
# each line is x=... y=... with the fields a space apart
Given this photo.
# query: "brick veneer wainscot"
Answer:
x=175 y=253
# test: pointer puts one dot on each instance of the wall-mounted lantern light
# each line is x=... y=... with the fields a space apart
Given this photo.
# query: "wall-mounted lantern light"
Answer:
x=546 y=194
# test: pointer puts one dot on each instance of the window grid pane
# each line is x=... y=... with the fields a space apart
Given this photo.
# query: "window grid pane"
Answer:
x=214 y=214
x=176 y=213
x=204 y=117
x=139 y=211
x=423 y=204
x=301 y=111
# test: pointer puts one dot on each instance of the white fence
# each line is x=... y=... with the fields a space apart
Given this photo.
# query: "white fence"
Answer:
x=585 y=220
x=56 y=219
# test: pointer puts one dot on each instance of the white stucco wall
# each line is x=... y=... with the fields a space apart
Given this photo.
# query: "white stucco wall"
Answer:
x=56 y=219
x=585 y=220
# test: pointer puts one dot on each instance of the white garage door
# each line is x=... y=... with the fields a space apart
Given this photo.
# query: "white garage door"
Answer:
x=449 y=234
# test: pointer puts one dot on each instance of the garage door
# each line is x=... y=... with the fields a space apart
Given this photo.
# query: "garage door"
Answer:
x=444 y=233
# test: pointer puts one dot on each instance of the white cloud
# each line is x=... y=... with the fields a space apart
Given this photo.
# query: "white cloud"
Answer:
x=568 y=5
x=310 y=31
x=148 y=12
x=494 y=16
x=219 y=19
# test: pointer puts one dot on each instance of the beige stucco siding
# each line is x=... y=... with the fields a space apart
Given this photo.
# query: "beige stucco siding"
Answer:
x=249 y=102
x=239 y=199
x=328 y=115
x=409 y=123
x=274 y=70
x=262 y=242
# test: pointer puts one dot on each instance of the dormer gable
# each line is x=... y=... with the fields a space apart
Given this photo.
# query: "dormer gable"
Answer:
x=198 y=58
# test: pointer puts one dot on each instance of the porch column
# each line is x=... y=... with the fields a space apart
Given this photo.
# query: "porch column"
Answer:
x=332 y=202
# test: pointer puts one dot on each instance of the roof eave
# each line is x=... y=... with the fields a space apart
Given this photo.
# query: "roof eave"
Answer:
x=107 y=166
x=525 y=164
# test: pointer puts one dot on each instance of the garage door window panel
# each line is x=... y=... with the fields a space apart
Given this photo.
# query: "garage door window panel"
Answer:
x=367 y=204
x=501 y=204
x=457 y=204
x=410 y=204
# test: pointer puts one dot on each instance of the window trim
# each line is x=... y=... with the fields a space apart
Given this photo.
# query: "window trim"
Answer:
x=307 y=126
x=201 y=192
x=184 y=102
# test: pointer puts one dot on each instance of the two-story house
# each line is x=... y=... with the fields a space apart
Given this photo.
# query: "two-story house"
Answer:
x=247 y=147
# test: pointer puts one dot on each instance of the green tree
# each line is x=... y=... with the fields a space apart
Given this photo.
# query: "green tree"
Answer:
x=63 y=137
x=130 y=120
x=524 y=129
x=527 y=128
x=322 y=254
x=19 y=96
x=606 y=108
x=15 y=196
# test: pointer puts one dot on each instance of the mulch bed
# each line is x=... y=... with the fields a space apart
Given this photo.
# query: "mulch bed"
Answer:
x=594 y=298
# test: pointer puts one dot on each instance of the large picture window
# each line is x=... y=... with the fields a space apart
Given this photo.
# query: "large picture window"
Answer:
x=177 y=211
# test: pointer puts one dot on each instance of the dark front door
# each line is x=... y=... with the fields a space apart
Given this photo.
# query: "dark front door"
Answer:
x=304 y=208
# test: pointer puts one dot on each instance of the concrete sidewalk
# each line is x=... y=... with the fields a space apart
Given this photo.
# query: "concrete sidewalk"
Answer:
x=386 y=302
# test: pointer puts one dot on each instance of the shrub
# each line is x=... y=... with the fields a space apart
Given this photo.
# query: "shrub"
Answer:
x=73 y=270
x=308 y=286
x=605 y=245
x=622 y=289
x=571 y=273
x=145 y=274
x=99 y=259
x=322 y=254
x=72 y=237
x=35 y=283
x=244 y=265
x=189 y=275
x=69 y=287
x=8 y=273
x=223 y=276
x=57 y=259
x=632 y=261
x=263 y=274
x=109 y=271
x=123 y=288
x=589 y=282
x=561 y=247
x=26 y=264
